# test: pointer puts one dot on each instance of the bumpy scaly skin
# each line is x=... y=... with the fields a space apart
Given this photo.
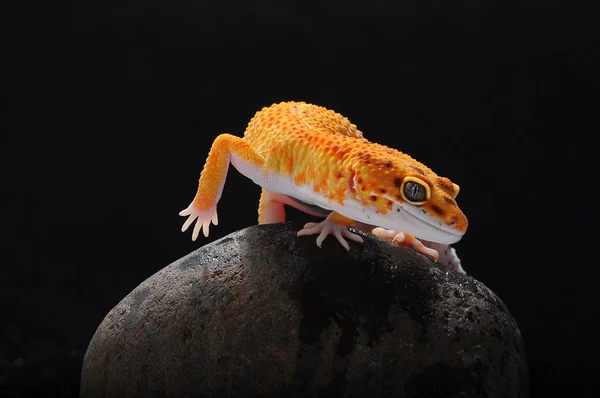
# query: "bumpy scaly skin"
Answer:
x=314 y=159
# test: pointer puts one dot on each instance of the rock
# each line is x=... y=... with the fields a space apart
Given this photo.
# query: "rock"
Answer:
x=262 y=312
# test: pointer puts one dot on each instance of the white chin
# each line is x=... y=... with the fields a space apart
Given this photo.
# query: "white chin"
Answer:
x=412 y=220
x=403 y=217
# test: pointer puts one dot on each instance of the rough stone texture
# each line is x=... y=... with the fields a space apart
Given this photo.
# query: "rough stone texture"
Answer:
x=262 y=312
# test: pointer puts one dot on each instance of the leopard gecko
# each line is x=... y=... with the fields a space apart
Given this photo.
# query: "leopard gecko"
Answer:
x=316 y=160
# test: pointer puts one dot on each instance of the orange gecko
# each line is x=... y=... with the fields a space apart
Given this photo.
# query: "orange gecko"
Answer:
x=316 y=160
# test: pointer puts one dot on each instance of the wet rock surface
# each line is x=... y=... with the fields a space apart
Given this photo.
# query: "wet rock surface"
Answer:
x=262 y=312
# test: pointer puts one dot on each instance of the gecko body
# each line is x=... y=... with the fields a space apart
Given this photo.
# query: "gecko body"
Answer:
x=316 y=160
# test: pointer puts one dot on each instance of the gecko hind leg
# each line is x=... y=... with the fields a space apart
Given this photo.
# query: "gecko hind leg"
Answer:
x=335 y=224
x=225 y=149
x=271 y=207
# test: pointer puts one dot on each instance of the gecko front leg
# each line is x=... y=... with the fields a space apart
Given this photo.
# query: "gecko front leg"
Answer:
x=432 y=250
x=335 y=224
x=406 y=240
x=225 y=149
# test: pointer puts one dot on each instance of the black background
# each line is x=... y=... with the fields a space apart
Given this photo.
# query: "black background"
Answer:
x=114 y=104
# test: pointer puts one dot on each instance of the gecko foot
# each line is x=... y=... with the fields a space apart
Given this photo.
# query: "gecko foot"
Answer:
x=329 y=227
x=406 y=240
x=204 y=219
x=448 y=255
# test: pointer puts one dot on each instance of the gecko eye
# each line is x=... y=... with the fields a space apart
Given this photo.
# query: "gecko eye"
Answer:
x=415 y=191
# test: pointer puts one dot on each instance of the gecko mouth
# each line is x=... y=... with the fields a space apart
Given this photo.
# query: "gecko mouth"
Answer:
x=424 y=226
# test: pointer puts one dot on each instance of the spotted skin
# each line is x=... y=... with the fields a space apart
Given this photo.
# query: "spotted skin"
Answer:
x=316 y=160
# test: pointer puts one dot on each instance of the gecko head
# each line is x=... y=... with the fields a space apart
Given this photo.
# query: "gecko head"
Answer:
x=397 y=192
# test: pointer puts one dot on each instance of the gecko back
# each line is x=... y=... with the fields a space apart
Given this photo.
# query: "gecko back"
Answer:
x=288 y=120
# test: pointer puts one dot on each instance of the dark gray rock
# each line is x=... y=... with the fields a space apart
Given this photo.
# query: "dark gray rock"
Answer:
x=262 y=312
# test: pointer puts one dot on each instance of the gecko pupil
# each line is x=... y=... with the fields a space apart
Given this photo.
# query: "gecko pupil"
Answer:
x=414 y=192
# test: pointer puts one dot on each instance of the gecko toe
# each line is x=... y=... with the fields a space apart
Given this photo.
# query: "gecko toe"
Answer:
x=205 y=226
x=338 y=235
x=399 y=237
x=311 y=229
x=352 y=236
x=196 y=230
x=384 y=233
x=321 y=237
x=187 y=223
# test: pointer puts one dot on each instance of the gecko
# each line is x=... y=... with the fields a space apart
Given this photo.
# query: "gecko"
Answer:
x=315 y=160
